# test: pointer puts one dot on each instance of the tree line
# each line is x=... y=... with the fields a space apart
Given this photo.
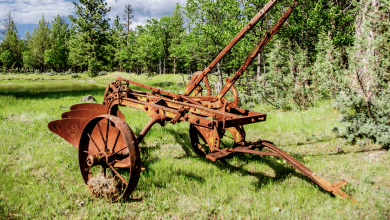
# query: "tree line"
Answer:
x=327 y=49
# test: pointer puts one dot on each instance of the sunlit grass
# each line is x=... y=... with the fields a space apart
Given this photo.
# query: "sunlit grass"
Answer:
x=40 y=176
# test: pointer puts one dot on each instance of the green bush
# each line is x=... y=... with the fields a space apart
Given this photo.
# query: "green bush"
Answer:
x=52 y=73
x=102 y=73
x=69 y=72
x=74 y=75
x=363 y=90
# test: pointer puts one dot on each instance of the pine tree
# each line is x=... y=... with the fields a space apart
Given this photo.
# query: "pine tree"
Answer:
x=57 y=55
x=91 y=28
x=11 y=47
x=38 y=42
x=176 y=36
x=365 y=92
x=128 y=18
x=117 y=42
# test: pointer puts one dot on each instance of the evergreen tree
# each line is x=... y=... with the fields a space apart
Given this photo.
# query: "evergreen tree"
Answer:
x=38 y=42
x=128 y=18
x=176 y=36
x=57 y=55
x=11 y=47
x=28 y=60
x=363 y=100
x=91 y=29
x=117 y=42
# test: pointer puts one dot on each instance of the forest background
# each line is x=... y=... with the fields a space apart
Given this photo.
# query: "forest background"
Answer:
x=337 y=49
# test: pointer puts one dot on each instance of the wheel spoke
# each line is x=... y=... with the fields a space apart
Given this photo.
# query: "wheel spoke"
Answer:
x=108 y=125
x=116 y=172
x=118 y=151
x=93 y=142
x=117 y=136
x=101 y=134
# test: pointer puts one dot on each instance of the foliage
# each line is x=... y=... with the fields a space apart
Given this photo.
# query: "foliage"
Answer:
x=6 y=59
x=102 y=73
x=364 y=88
x=37 y=44
x=57 y=55
x=69 y=72
x=89 y=34
x=11 y=48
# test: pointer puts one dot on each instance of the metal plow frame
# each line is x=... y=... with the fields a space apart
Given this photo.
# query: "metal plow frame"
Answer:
x=104 y=138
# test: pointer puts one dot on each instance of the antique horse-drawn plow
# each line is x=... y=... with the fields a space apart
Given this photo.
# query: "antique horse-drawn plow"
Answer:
x=106 y=142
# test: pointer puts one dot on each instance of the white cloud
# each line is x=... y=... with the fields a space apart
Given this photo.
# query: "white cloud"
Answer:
x=143 y=9
x=30 y=11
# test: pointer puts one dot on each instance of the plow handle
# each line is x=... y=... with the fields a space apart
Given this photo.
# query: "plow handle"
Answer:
x=193 y=84
x=258 y=48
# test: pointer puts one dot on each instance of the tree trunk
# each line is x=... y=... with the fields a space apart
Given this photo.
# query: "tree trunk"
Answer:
x=159 y=65
x=174 y=65
x=219 y=73
x=164 y=62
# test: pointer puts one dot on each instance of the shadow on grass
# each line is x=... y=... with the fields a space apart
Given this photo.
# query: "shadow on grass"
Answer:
x=281 y=171
x=29 y=94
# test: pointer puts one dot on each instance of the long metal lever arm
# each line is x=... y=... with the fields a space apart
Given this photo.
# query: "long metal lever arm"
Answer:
x=260 y=46
x=192 y=85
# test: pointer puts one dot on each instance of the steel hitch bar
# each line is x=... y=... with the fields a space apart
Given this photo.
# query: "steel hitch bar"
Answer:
x=274 y=151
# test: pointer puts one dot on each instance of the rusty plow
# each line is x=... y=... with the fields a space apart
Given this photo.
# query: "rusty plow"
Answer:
x=107 y=146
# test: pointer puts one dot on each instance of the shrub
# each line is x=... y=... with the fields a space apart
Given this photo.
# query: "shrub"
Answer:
x=74 y=75
x=102 y=73
x=69 y=72
x=364 y=87
x=52 y=73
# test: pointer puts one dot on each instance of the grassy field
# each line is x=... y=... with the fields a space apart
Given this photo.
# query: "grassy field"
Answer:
x=40 y=175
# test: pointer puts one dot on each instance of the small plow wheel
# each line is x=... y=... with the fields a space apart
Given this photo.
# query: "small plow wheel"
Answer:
x=109 y=157
x=198 y=142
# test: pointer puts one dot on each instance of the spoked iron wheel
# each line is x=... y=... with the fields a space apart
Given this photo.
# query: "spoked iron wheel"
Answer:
x=200 y=145
x=198 y=142
x=109 y=157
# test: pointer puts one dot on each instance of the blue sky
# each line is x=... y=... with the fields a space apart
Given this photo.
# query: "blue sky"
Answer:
x=27 y=13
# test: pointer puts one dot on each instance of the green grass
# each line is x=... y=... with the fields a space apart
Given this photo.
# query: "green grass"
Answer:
x=40 y=176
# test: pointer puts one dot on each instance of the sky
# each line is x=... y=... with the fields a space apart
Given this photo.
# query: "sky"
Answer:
x=27 y=13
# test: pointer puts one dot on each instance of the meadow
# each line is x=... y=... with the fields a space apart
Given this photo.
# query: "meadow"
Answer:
x=40 y=176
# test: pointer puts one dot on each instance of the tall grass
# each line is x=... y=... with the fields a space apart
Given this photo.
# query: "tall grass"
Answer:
x=40 y=177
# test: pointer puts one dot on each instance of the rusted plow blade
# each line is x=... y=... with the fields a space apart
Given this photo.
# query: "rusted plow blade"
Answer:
x=108 y=147
x=73 y=122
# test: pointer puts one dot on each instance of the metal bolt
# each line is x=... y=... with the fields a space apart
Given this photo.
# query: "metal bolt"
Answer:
x=253 y=120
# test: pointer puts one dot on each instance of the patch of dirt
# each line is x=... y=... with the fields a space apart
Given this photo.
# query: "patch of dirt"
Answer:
x=106 y=187
x=14 y=117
